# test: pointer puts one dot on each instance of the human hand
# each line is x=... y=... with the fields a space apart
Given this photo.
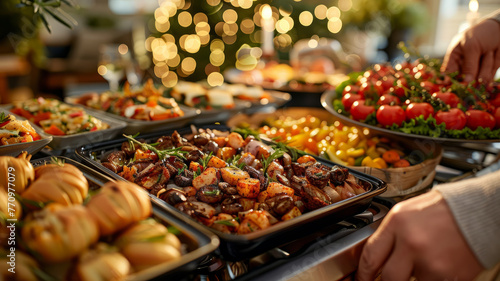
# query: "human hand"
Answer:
x=475 y=52
x=419 y=237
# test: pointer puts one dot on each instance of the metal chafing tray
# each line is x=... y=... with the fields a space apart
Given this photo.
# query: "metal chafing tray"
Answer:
x=72 y=141
x=198 y=242
x=237 y=247
x=134 y=126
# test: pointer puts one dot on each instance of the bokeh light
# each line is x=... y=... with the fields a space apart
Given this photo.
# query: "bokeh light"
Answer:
x=306 y=18
x=320 y=11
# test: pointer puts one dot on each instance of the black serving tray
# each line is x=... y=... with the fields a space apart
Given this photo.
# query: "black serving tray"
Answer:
x=235 y=247
x=198 y=242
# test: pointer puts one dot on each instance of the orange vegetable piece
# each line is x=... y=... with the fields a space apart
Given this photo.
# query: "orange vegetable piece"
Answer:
x=401 y=163
x=391 y=156
x=54 y=130
x=305 y=159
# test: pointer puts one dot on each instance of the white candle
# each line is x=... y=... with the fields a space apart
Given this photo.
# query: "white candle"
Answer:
x=267 y=24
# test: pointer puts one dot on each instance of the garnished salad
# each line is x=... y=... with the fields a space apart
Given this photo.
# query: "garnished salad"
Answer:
x=146 y=104
x=58 y=118
x=416 y=98
x=14 y=131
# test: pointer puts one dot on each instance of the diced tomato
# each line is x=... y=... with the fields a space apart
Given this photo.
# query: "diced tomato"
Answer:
x=4 y=123
x=54 y=130
x=41 y=116
x=76 y=114
x=22 y=112
x=93 y=129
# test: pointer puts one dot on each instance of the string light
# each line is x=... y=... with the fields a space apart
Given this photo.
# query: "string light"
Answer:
x=174 y=52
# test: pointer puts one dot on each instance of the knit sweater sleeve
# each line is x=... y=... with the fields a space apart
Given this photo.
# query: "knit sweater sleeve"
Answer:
x=475 y=204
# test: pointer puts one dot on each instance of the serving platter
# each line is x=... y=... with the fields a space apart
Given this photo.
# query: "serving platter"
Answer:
x=30 y=147
x=329 y=97
x=75 y=140
x=277 y=99
x=133 y=126
x=239 y=247
x=197 y=242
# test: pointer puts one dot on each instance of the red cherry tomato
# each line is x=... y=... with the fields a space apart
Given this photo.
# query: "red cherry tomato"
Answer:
x=390 y=114
x=416 y=109
x=388 y=99
x=429 y=86
x=447 y=97
x=497 y=117
x=454 y=119
x=495 y=101
x=476 y=118
x=398 y=91
x=360 y=111
x=388 y=82
x=348 y=99
x=350 y=89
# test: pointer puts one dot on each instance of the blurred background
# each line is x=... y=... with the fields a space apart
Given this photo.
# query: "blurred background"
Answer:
x=172 y=40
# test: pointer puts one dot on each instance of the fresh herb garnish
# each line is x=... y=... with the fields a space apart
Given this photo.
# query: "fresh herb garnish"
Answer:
x=278 y=152
x=294 y=152
x=213 y=192
x=4 y=117
x=162 y=154
x=205 y=159
x=247 y=131
x=234 y=162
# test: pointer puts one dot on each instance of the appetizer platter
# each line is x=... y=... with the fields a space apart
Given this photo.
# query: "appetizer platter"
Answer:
x=144 y=110
x=414 y=99
x=106 y=235
x=405 y=165
x=69 y=126
x=283 y=77
x=250 y=194
x=19 y=135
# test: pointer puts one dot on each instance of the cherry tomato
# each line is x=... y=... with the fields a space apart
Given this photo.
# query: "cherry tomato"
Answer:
x=497 y=117
x=388 y=82
x=360 y=111
x=429 y=86
x=447 y=97
x=388 y=99
x=349 y=98
x=416 y=109
x=369 y=88
x=454 y=119
x=476 y=118
x=495 y=101
x=398 y=91
x=390 y=114
x=350 y=89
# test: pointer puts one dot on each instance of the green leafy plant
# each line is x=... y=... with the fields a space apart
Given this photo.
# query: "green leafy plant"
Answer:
x=44 y=8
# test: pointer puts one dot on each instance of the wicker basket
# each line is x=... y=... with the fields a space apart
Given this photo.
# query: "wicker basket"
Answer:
x=400 y=181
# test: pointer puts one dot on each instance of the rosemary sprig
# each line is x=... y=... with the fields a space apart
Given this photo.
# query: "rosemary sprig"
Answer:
x=247 y=131
x=278 y=152
x=233 y=162
x=162 y=154
x=205 y=159
x=294 y=152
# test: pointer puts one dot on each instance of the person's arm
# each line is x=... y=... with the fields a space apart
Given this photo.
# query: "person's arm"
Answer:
x=425 y=237
x=475 y=205
x=475 y=53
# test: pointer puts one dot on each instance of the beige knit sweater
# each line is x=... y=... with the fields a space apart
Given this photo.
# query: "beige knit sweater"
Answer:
x=475 y=204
